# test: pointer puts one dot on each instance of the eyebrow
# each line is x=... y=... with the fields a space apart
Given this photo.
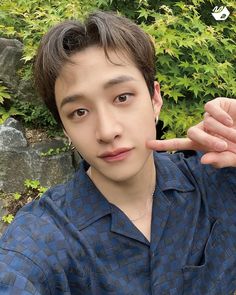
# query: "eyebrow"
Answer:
x=70 y=99
x=108 y=84
x=118 y=80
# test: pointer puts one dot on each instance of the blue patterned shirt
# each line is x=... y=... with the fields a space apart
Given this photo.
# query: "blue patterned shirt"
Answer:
x=73 y=241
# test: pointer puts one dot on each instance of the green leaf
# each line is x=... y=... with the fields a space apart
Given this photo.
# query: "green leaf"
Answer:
x=32 y=184
x=183 y=81
x=143 y=13
x=176 y=95
x=17 y=196
x=196 y=88
x=8 y=218
x=164 y=60
x=3 y=94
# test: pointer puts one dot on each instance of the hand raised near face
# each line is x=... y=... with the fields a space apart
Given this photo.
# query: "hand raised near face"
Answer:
x=215 y=135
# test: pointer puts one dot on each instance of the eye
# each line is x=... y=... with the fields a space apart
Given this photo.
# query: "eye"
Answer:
x=79 y=113
x=123 y=97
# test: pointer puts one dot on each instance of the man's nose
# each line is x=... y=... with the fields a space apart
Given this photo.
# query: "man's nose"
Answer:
x=107 y=127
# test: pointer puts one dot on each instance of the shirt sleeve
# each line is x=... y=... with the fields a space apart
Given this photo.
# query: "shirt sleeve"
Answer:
x=19 y=275
x=29 y=263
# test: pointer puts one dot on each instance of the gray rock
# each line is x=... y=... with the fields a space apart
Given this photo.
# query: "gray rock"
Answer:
x=15 y=167
x=2 y=213
x=11 y=138
x=9 y=43
x=43 y=147
x=18 y=164
x=54 y=169
x=11 y=122
x=26 y=92
x=10 y=61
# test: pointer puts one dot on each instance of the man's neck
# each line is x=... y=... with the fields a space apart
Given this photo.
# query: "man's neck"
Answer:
x=131 y=193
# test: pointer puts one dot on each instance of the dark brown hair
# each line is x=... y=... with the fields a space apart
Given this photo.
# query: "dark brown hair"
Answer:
x=104 y=29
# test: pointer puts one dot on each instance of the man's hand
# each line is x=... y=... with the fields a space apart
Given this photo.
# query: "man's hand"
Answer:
x=215 y=135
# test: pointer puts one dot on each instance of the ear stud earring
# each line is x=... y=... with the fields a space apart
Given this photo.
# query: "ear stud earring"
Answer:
x=70 y=144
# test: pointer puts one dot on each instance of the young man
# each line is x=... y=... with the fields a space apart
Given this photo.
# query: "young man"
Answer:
x=131 y=221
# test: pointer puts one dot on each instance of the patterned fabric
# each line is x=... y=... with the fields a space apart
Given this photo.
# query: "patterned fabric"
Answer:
x=73 y=241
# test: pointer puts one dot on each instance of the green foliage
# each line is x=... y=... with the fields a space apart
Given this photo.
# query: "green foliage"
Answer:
x=17 y=196
x=33 y=186
x=178 y=117
x=56 y=151
x=38 y=116
x=8 y=218
x=33 y=191
x=6 y=111
x=5 y=114
x=3 y=94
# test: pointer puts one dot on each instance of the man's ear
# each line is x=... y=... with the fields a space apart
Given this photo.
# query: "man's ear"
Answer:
x=157 y=99
x=64 y=131
x=67 y=136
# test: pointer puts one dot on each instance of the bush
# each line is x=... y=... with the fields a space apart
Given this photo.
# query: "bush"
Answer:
x=38 y=116
x=195 y=53
x=195 y=62
x=6 y=110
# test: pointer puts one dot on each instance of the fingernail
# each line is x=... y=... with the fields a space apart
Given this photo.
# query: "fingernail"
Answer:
x=221 y=146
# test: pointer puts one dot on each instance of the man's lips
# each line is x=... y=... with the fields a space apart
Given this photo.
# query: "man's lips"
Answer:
x=114 y=153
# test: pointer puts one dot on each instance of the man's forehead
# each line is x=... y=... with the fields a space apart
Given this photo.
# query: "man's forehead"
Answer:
x=93 y=60
x=92 y=67
x=94 y=54
x=108 y=84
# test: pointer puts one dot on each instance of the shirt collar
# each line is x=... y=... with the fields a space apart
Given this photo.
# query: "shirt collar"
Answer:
x=91 y=205
x=168 y=173
x=89 y=202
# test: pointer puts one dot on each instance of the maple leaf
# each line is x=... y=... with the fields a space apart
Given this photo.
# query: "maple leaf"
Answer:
x=183 y=81
x=196 y=88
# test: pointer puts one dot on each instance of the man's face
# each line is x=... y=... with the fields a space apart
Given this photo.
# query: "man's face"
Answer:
x=107 y=112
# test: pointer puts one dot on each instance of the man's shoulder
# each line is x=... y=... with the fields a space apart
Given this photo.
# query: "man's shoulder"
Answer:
x=40 y=218
x=190 y=161
x=36 y=232
x=35 y=218
x=55 y=197
x=39 y=238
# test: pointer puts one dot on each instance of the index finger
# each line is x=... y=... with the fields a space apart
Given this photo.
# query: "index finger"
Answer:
x=172 y=144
